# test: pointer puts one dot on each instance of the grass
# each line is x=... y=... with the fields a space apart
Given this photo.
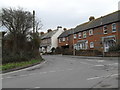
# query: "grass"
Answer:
x=18 y=64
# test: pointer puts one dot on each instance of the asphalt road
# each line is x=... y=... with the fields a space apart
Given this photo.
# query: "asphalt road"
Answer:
x=66 y=72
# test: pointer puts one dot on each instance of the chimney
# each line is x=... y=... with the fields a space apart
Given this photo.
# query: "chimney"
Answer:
x=59 y=28
x=41 y=33
x=49 y=30
x=65 y=29
x=91 y=18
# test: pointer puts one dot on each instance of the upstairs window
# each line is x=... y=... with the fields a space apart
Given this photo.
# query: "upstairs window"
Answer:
x=59 y=40
x=91 y=32
x=105 y=29
x=79 y=35
x=75 y=36
x=114 y=27
x=67 y=38
x=63 y=40
x=84 y=34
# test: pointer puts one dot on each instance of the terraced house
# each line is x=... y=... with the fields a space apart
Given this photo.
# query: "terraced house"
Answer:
x=49 y=40
x=96 y=34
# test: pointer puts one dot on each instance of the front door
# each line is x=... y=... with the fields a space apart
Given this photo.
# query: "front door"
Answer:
x=108 y=44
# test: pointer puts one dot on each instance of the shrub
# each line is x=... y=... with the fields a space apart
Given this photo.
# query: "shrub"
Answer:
x=114 y=48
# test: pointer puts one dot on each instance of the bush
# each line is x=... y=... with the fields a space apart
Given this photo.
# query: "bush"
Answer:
x=114 y=48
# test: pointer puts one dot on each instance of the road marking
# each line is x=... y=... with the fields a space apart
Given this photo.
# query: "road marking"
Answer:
x=114 y=75
x=100 y=60
x=25 y=68
x=99 y=65
x=32 y=73
x=86 y=63
x=36 y=87
x=43 y=72
x=113 y=64
x=93 y=78
x=103 y=76
x=8 y=77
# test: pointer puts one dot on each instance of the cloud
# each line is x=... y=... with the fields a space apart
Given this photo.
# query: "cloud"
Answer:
x=68 y=13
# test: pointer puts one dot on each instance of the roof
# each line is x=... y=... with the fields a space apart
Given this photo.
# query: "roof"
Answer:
x=48 y=35
x=104 y=20
x=66 y=33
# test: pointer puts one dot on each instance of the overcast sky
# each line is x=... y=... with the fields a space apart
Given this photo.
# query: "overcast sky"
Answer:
x=65 y=13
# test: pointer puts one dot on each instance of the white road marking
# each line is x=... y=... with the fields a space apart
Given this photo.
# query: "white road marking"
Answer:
x=25 y=68
x=100 y=60
x=43 y=72
x=36 y=87
x=32 y=74
x=103 y=76
x=8 y=77
x=93 y=78
x=113 y=64
x=114 y=75
x=98 y=65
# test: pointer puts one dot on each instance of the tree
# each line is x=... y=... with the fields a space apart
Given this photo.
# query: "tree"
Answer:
x=19 y=24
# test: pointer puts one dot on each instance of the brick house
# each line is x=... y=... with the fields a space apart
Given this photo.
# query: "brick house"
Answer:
x=96 y=34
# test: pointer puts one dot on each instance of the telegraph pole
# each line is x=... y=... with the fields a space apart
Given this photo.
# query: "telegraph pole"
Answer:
x=33 y=21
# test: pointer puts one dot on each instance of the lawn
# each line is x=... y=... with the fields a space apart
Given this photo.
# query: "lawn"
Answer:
x=19 y=64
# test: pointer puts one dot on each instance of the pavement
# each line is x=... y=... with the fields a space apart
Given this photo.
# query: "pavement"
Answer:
x=66 y=72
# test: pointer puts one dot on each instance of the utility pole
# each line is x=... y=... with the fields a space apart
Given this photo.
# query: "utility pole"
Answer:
x=33 y=21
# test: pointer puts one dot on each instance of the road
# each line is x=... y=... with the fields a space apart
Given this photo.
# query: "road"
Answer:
x=66 y=72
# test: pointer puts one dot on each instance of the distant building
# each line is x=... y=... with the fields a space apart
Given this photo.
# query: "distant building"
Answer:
x=96 y=34
x=49 y=39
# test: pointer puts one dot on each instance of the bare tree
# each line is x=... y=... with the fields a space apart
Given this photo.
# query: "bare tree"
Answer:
x=17 y=20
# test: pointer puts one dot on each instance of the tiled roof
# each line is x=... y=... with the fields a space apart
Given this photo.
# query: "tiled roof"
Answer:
x=66 y=33
x=48 y=35
x=110 y=18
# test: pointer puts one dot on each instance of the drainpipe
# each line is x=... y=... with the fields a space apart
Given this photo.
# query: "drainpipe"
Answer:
x=73 y=44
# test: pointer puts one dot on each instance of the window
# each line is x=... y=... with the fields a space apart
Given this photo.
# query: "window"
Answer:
x=91 y=44
x=67 y=39
x=105 y=29
x=84 y=34
x=79 y=35
x=91 y=32
x=63 y=39
x=59 y=40
x=75 y=36
x=114 y=27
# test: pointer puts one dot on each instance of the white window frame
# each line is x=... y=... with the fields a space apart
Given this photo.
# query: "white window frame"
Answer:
x=91 y=44
x=63 y=39
x=85 y=34
x=75 y=36
x=79 y=35
x=59 y=40
x=91 y=32
x=104 y=30
x=114 y=28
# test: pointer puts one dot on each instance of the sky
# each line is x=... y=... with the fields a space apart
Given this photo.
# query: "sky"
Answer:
x=65 y=13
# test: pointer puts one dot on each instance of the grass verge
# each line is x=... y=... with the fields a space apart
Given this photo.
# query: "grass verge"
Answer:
x=19 y=64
